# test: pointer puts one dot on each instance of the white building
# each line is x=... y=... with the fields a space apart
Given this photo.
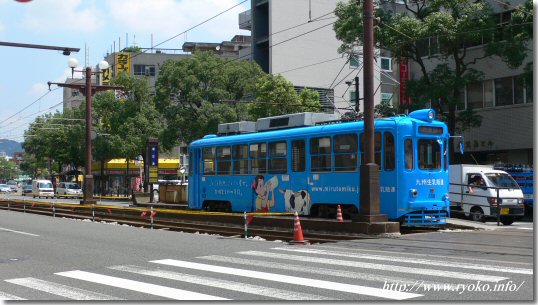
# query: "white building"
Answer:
x=296 y=40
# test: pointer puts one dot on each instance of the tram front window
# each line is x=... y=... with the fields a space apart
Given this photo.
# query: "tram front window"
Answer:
x=429 y=154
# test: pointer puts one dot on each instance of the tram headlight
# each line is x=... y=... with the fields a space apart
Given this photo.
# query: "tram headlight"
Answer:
x=413 y=193
x=431 y=115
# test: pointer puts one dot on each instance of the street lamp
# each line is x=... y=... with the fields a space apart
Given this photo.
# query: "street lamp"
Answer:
x=88 y=90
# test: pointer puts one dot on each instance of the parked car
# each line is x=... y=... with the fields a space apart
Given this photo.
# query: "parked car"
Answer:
x=68 y=189
x=4 y=188
x=13 y=185
x=26 y=189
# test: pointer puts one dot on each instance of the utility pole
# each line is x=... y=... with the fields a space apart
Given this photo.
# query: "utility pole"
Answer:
x=369 y=184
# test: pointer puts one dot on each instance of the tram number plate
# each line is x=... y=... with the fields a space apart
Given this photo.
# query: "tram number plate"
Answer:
x=505 y=211
x=432 y=195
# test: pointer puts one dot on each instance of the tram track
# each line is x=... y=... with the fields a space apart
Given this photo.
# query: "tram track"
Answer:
x=269 y=227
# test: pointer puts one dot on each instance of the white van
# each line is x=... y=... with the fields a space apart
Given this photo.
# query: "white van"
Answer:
x=473 y=191
x=42 y=188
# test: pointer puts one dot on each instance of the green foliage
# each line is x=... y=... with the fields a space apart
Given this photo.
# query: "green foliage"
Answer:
x=8 y=169
x=275 y=96
x=441 y=32
x=196 y=94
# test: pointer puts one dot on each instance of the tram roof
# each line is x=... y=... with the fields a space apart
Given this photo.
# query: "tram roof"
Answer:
x=302 y=131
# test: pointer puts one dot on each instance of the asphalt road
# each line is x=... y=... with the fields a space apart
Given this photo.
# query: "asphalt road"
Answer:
x=45 y=258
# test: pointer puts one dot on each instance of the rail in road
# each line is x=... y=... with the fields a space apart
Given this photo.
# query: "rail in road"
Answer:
x=270 y=226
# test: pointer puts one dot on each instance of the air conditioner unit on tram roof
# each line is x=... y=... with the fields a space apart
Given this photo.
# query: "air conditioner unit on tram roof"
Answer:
x=236 y=128
x=294 y=120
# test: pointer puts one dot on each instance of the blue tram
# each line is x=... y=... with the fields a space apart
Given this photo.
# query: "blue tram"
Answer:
x=313 y=169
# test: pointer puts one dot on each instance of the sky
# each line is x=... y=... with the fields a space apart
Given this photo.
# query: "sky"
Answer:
x=95 y=25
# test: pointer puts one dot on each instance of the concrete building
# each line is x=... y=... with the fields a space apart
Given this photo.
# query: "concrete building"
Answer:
x=504 y=102
x=296 y=40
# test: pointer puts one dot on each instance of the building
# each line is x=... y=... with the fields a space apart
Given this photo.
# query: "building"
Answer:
x=505 y=104
x=296 y=40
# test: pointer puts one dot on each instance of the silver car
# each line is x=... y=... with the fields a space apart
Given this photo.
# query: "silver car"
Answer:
x=4 y=188
x=68 y=189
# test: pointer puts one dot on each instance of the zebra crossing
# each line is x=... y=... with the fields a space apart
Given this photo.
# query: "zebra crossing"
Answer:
x=279 y=273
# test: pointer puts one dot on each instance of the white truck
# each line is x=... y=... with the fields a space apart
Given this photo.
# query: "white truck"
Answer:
x=42 y=188
x=474 y=188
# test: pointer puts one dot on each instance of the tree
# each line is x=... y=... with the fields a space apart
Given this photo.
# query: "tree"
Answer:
x=197 y=93
x=124 y=125
x=443 y=30
x=275 y=96
x=8 y=169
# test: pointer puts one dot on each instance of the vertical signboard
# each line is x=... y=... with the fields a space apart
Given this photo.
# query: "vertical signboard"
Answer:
x=404 y=76
x=105 y=76
x=153 y=157
x=123 y=63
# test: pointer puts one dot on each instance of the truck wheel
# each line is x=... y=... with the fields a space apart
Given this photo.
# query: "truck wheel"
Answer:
x=507 y=221
x=477 y=215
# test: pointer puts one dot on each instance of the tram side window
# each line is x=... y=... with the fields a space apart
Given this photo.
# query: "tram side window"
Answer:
x=298 y=159
x=429 y=154
x=345 y=152
x=209 y=160
x=377 y=148
x=321 y=154
x=258 y=158
x=408 y=150
x=389 y=151
x=224 y=160
x=240 y=157
x=278 y=158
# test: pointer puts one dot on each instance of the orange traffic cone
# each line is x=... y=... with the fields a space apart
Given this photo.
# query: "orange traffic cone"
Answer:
x=339 y=217
x=297 y=231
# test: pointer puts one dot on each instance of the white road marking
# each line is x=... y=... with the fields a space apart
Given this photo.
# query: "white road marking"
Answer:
x=224 y=284
x=6 y=297
x=324 y=271
x=410 y=260
x=19 y=232
x=524 y=228
x=295 y=280
x=167 y=292
x=392 y=268
x=60 y=289
x=430 y=255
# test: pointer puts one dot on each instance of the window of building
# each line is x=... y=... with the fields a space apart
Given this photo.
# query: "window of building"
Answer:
x=353 y=98
x=144 y=70
x=354 y=61
x=224 y=160
x=278 y=158
x=390 y=155
x=503 y=91
x=377 y=148
x=258 y=158
x=298 y=158
x=240 y=159
x=475 y=95
x=209 y=160
x=519 y=90
x=528 y=91
x=321 y=154
x=345 y=152
x=386 y=64
x=408 y=148
x=75 y=93
x=488 y=93
x=429 y=154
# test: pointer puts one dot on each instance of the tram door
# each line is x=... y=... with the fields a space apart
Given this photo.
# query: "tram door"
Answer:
x=298 y=197
x=195 y=172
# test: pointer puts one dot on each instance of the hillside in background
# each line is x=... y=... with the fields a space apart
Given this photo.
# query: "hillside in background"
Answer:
x=10 y=147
